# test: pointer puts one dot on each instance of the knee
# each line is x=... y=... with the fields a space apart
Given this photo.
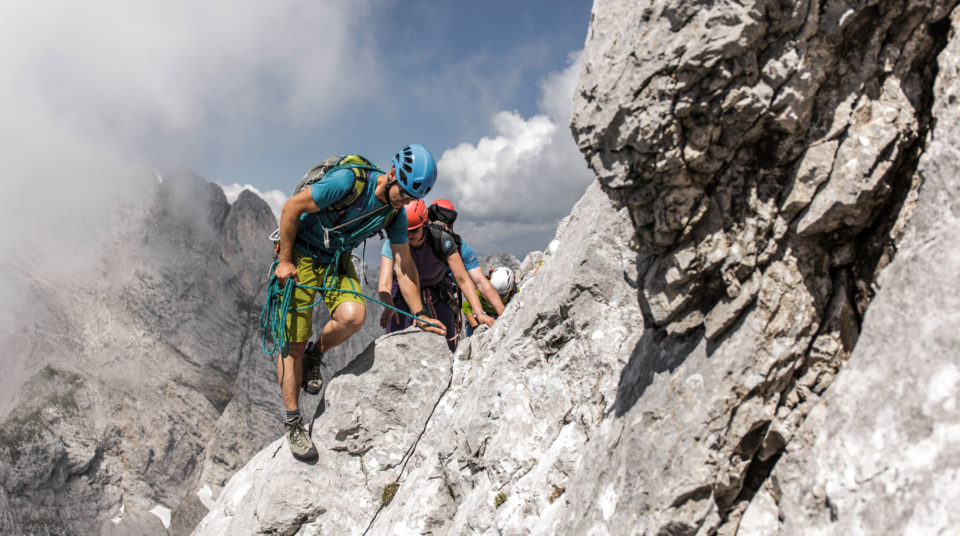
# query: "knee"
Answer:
x=352 y=318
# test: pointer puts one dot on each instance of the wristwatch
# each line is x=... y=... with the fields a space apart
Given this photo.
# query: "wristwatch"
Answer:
x=420 y=313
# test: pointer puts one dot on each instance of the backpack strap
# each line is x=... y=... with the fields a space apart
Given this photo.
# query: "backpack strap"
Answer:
x=361 y=168
x=359 y=183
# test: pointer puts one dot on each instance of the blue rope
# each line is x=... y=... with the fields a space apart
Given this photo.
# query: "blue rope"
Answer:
x=279 y=299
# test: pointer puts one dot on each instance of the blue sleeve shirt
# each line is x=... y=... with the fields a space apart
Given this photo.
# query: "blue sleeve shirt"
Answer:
x=329 y=190
x=470 y=260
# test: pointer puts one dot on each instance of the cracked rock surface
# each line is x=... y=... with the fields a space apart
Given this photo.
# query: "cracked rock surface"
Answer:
x=375 y=409
x=882 y=453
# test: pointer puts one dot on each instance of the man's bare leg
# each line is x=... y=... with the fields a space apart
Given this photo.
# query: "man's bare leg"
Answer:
x=347 y=320
x=290 y=375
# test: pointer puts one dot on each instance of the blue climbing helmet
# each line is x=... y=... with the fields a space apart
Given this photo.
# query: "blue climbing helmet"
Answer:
x=416 y=169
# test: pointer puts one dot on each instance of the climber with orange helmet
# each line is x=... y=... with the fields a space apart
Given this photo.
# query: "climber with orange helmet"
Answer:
x=319 y=226
x=442 y=275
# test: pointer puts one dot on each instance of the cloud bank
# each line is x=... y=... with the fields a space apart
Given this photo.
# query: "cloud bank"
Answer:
x=94 y=93
x=512 y=187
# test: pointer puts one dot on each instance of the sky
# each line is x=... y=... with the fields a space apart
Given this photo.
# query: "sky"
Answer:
x=253 y=94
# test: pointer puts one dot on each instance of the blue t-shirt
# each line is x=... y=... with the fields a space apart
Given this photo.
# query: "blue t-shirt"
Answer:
x=470 y=260
x=332 y=188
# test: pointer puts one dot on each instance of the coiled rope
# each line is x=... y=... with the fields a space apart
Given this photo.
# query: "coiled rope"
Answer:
x=273 y=315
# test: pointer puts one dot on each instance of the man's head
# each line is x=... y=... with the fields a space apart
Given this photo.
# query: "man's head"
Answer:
x=416 y=217
x=415 y=170
x=503 y=281
x=413 y=174
x=442 y=211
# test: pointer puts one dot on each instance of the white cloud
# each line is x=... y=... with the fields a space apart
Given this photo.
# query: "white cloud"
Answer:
x=274 y=198
x=91 y=93
x=171 y=79
x=526 y=176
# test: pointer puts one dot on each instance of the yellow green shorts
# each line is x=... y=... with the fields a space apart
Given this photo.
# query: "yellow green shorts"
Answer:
x=300 y=323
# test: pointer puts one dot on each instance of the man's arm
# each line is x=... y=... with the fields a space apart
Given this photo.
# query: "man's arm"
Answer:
x=486 y=289
x=468 y=312
x=409 y=281
x=289 y=219
x=384 y=286
x=455 y=262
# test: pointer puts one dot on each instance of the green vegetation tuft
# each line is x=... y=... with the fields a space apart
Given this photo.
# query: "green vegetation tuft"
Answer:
x=499 y=499
x=388 y=493
x=557 y=492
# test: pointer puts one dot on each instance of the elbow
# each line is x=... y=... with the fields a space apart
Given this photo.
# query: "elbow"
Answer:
x=290 y=211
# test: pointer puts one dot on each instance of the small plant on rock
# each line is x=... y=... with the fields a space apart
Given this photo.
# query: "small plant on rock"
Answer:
x=499 y=499
x=388 y=492
x=557 y=492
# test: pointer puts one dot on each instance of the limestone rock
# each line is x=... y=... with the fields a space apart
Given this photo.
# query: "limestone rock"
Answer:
x=374 y=413
x=881 y=457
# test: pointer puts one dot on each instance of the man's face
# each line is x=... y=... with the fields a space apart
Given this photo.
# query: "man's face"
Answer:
x=396 y=195
x=416 y=237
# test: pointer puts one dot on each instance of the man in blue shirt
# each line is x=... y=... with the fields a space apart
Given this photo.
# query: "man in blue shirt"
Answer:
x=316 y=238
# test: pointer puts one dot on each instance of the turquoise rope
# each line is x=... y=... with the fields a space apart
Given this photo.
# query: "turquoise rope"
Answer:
x=279 y=299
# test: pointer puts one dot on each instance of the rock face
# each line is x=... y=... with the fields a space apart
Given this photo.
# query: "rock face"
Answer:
x=372 y=418
x=880 y=454
x=137 y=357
x=670 y=370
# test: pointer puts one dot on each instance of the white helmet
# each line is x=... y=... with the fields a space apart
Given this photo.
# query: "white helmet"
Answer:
x=502 y=280
x=552 y=247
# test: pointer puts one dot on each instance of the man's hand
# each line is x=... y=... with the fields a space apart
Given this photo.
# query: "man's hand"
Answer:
x=285 y=270
x=486 y=319
x=421 y=323
x=388 y=314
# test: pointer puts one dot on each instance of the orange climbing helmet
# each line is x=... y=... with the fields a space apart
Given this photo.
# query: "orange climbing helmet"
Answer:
x=416 y=213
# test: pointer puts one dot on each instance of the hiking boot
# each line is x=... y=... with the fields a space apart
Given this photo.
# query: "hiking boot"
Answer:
x=299 y=441
x=312 y=359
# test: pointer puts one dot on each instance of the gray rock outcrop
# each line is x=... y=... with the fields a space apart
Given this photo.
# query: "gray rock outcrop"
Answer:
x=881 y=454
x=373 y=415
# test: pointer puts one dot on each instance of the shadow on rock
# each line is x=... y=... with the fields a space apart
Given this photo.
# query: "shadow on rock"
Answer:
x=363 y=362
x=653 y=354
